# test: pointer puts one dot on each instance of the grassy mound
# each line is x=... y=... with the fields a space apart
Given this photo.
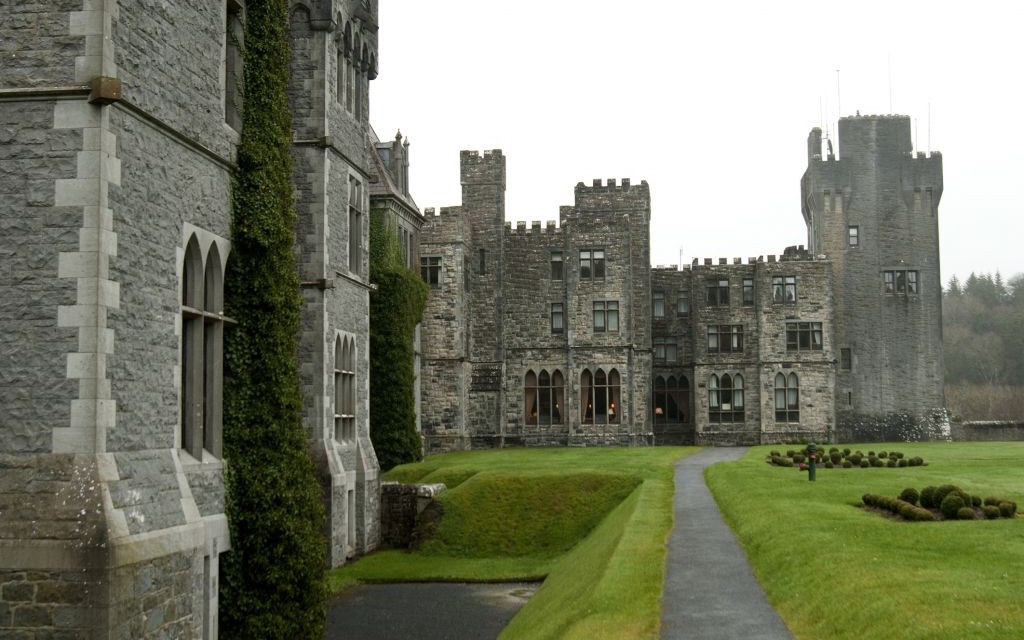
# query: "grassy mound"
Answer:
x=536 y=514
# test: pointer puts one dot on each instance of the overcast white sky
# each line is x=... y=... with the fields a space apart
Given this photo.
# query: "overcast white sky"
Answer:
x=711 y=103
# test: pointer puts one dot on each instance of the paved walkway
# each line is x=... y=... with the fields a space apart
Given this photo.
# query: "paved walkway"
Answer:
x=710 y=589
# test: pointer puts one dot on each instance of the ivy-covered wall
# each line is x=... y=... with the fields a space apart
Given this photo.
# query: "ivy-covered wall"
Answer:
x=395 y=310
x=273 y=579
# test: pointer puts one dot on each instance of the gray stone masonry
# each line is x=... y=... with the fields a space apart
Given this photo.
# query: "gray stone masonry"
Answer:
x=891 y=196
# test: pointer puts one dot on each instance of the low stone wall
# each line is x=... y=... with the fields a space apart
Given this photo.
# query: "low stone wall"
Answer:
x=987 y=431
x=400 y=504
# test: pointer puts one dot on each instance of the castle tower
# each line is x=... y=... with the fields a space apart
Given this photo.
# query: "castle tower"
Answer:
x=334 y=58
x=873 y=212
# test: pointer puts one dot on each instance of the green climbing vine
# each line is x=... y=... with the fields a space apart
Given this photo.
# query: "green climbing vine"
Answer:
x=395 y=310
x=273 y=579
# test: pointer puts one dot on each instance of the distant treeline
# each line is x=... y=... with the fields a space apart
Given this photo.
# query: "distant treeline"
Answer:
x=983 y=330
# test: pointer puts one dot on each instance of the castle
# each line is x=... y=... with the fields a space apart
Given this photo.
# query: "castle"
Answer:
x=563 y=335
x=120 y=125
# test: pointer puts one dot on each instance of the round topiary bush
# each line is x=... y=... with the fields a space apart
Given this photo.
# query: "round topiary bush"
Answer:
x=965 y=513
x=942 y=491
x=901 y=462
x=832 y=450
x=916 y=461
x=951 y=504
x=835 y=457
x=799 y=458
x=991 y=511
x=910 y=495
x=975 y=501
x=785 y=462
x=897 y=454
x=882 y=454
x=864 y=464
x=830 y=465
x=992 y=500
x=855 y=459
x=928 y=497
x=846 y=453
x=871 y=454
x=891 y=462
x=877 y=462
x=1007 y=509
x=847 y=464
x=790 y=453
x=775 y=454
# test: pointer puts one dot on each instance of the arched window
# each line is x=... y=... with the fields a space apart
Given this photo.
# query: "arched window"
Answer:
x=202 y=346
x=725 y=398
x=344 y=389
x=671 y=400
x=600 y=397
x=545 y=397
x=787 y=398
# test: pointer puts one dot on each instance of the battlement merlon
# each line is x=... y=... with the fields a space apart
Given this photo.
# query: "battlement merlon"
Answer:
x=482 y=168
x=612 y=197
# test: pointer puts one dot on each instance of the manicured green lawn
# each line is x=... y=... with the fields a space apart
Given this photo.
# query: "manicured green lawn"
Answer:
x=593 y=521
x=837 y=571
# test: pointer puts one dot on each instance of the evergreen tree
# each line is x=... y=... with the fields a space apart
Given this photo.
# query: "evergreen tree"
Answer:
x=273 y=579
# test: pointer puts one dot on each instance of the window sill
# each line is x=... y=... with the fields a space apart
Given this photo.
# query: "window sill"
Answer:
x=208 y=463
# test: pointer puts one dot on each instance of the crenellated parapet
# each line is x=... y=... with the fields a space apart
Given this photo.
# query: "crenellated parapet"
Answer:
x=478 y=168
x=549 y=227
x=449 y=224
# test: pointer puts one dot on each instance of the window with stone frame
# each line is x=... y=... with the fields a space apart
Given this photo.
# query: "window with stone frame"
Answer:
x=682 y=302
x=846 y=359
x=544 y=396
x=202 y=348
x=600 y=396
x=725 y=338
x=606 y=316
x=592 y=265
x=718 y=292
x=557 y=317
x=355 y=226
x=787 y=398
x=784 y=289
x=671 y=400
x=483 y=262
x=430 y=271
x=556 y=265
x=803 y=336
x=748 y=291
x=901 y=282
x=345 y=389
x=658 y=304
x=725 y=398
x=665 y=349
x=853 y=235
x=233 y=64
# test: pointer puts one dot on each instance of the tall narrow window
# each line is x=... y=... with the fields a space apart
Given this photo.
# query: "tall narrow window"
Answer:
x=853 y=233
x=606 y=316
x=682 y=303
x=600 y=396
x=202 y=347
x=233 y=65
x=556 y=265
x=658 y=304
x=592 y=264
x=748 y=291
x=557 y=317
x=483 y=262
x=355 y=226
x=350 y=68
x=430 y=271
x=725 y=398
x=846 y=359
x=671 y=400
x=545 y=397
x=345 y=389
x=787 y=398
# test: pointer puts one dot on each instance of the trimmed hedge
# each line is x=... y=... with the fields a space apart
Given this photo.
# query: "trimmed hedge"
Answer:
x=273 y=582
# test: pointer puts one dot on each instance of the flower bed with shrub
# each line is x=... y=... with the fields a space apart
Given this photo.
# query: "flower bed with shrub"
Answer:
x=843 y=459
x=945 y=502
